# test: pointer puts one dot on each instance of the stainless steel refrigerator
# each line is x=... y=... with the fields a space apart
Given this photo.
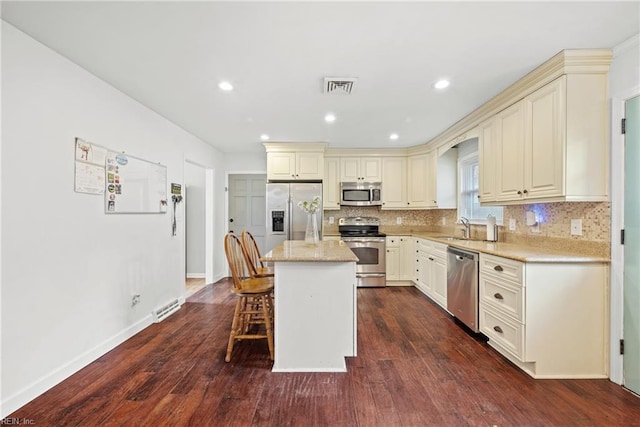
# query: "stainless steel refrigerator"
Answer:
x=285 y=220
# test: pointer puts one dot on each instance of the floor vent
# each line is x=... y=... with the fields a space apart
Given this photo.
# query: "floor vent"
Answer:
x=339 y=85
x=165 y=311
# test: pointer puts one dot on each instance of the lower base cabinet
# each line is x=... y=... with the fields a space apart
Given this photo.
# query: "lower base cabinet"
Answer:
x=431 y=270
x=550 y=319
x=399 y=260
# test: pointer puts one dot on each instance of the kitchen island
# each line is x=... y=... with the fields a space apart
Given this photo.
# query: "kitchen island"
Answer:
x=315 y=306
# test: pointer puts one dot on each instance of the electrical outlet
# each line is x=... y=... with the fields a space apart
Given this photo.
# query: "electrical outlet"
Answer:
x=331 y=220
x=576 y=227
x=399 y=220
x=512 y=224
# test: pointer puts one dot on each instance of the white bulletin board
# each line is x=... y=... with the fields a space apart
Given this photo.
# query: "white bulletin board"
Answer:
x=134 y=185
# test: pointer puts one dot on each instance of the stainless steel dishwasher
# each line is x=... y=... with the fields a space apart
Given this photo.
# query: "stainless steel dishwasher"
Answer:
x=462 y=286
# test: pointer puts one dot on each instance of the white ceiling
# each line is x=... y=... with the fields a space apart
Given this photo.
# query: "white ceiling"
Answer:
x=170 y=56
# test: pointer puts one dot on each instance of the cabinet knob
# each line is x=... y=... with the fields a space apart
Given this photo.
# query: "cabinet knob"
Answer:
x=498 y=268
x=435 y=202
x=498 y=296
x=525 y=191
x=497 y=329
x=519 y=192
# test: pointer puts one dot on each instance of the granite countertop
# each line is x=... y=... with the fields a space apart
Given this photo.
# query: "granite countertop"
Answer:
x=514 y=251
x=299 y=251
x=518 y=252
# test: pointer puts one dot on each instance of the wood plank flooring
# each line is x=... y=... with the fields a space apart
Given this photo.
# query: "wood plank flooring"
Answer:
x=415 y=367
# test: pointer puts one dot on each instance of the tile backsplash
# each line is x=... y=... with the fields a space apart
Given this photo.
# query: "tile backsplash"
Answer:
x=554 y=219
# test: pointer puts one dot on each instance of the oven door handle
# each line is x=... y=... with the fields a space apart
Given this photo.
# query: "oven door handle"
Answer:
x=363 y=240
x=371 y=275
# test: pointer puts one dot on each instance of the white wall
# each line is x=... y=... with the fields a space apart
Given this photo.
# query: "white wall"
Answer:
x=69 y=270
x=194 y=179
x=624 y=83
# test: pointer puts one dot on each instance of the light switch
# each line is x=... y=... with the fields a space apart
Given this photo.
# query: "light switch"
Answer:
x=576 y=227
x=512 y=224
x=331 y=220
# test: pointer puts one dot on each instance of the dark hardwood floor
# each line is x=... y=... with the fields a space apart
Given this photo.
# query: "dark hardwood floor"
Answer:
x=415 y=367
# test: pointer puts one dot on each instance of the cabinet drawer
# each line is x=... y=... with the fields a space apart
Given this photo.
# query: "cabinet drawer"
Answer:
x=423 y=245
x=508 y=334
x=502 y=295
x=501 y=267
x=393 y=241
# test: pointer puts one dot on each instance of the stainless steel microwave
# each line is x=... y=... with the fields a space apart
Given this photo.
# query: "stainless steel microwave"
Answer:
x=360 y=194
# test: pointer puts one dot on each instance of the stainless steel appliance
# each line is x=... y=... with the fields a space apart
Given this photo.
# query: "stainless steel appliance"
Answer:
x=285 y=220
x=360 y=194
x=362 y=236
x=462 y=286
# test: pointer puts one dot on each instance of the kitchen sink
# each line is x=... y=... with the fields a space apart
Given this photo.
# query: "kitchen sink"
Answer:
x=450 y=238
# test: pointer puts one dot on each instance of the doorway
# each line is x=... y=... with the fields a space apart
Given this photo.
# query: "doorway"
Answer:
x=631 y=276
x=247 y=206
x=198 y=185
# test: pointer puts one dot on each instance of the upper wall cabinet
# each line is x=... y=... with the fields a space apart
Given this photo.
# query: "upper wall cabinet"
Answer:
x=291 y=162
x=331 y=184
x=551 y=145
x=360 y=169
x=394 y=183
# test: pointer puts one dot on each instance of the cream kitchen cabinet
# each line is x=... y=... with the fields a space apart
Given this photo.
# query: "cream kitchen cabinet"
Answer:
x=550 y=319
x=394 y=183
x=295 y=166
x=360 y=169
x=421 y=181
x=549 y=146
x=399 y=261
x=331 y=184
x=431 y=270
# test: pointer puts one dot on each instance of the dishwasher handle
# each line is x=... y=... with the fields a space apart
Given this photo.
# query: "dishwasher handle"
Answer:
x=462 y=255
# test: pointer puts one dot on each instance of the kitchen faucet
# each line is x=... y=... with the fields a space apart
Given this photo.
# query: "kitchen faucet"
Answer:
x=467 y=227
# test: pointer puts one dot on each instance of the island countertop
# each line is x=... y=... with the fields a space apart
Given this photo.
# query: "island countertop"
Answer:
x=299 y=251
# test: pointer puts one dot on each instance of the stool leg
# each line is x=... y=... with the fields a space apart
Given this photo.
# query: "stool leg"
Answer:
x=234 y=327
x=267 y=323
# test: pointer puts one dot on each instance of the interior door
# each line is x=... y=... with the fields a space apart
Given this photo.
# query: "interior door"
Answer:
x=631 y=359
x=247 y=206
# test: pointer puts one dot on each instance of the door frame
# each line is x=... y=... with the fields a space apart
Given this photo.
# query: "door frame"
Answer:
x=616 y=332
x=209 y=218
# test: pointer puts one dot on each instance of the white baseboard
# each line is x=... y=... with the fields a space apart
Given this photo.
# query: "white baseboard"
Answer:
x=35 y=389
x=195 y=276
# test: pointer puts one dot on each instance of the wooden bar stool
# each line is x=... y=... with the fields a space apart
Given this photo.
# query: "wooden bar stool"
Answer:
x=254 y=306
x=256 y=266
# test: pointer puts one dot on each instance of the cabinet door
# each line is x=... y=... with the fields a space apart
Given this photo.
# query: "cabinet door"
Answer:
x=393 y=263
x=371 y=169
x=281 y=166
x=417 y=182
x=407 y=258
x=432 y=178
x=544 y=155
x=510 y=148
x=350 y=169
x=439 y=280
x=309 y=165
x=394 y=183
x=331 y=184
x=487 y=155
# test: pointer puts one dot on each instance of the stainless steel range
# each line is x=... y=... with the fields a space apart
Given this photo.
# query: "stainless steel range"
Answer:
x=362 y=236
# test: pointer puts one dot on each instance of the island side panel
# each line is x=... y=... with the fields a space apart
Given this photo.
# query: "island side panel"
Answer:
x=315 y=316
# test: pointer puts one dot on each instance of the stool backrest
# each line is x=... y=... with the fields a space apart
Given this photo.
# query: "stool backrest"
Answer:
x=236 y=259
x=252 y=251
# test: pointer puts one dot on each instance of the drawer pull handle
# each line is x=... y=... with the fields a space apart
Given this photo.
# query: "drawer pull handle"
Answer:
x=497 y=329
x=498 y=296
x=430 y=259
x=498 y=268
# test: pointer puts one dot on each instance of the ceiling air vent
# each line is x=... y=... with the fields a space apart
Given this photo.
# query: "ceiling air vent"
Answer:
x=341 y=85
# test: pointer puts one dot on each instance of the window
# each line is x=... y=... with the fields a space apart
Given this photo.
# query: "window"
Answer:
x=468 y=183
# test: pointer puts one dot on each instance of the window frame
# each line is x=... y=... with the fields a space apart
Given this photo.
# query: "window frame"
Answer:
x=465 y=164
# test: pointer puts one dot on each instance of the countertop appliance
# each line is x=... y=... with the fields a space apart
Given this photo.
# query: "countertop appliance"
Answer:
x=462 y=286
x=285 y=220
x=360 y=194
x=362 y=236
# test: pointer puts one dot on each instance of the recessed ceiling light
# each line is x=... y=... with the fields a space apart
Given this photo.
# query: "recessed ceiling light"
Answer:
x=329 y=118
x=441 y=84
x=264 y=137
x=226 y=86
x=393 y=136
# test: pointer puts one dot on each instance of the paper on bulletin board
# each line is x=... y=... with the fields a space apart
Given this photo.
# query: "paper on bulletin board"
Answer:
x=89 y=167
